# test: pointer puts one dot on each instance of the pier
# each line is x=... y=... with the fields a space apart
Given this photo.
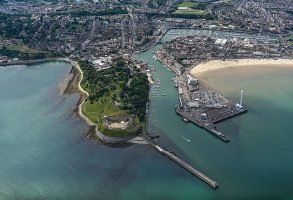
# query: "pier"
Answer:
x=182 y=163
x=204 y=106
x=199 y=103
x=208 y=125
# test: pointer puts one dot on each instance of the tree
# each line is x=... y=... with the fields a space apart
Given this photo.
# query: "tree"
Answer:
x=120 y=63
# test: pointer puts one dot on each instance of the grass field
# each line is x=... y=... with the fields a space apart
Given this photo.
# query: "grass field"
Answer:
x=24 y=49
x=98 y=109
x=193 y=9
x=191 y=12
x=101 y=108
x=227 y=1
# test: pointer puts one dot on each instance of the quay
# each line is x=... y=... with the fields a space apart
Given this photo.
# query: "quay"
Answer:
x=209 y=126
x=182 y=163
x=201 y=104
x=204 y=106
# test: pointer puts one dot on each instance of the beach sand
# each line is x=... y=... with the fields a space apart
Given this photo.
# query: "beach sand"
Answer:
x=213 y=65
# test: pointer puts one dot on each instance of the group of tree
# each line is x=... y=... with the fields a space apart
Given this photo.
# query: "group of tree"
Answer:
x=200 y=6
x=25 y=56
x=289 y=12
x=104 y=82
x=135 y=96
x=17 y=26
x=132 y=87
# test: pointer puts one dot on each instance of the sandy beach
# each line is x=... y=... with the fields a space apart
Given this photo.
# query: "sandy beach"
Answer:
x=235 y=64
x=75 y=64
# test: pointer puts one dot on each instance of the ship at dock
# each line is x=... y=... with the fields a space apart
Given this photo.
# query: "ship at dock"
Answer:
x=155 y=57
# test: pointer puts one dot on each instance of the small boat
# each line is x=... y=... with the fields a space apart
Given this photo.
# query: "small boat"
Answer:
x=163 y=94
x=185 y=119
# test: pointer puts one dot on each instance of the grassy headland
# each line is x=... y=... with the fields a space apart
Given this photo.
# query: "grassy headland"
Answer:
x=117 y=91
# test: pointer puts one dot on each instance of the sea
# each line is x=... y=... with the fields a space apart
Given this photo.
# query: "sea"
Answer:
x=45 y=153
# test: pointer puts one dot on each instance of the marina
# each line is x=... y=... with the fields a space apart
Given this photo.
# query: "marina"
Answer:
x=222 y=34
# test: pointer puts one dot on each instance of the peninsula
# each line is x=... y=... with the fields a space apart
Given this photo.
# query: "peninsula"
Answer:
x=115 y=100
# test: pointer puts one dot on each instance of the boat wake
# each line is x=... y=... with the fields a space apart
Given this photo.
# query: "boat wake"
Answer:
x=185 y=138
x=280 y=92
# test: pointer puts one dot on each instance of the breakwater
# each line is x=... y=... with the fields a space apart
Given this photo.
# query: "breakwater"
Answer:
x=213 y=184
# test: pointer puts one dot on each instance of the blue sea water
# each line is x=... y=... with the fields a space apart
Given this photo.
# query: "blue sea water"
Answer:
x=45 y=154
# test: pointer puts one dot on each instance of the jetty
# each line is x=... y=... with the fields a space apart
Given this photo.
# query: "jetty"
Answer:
x=204 y=107
x=208 y=125
x=199 y=103
x=176 y=159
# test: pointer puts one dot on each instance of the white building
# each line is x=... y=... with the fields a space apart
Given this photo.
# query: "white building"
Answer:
x=191 y=80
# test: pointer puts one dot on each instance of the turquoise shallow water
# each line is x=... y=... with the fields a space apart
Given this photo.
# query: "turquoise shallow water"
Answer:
x=45 y=155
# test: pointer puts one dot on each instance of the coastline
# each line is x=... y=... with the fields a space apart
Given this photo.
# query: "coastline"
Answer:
x=83 y=92
x=74 y=85
x=93 y=126
x=239 y=63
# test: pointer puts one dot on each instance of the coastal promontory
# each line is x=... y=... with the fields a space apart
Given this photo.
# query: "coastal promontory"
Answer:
x=117 y=98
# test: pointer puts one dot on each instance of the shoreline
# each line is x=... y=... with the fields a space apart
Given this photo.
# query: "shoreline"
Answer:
x=83 y=92
x=235 y=64
x=66 y=60
x=83 y=96
x=93 y=126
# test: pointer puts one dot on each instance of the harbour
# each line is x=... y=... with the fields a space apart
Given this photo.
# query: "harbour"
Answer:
x=199 y=103
x=183 y=133
x=204 y=107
